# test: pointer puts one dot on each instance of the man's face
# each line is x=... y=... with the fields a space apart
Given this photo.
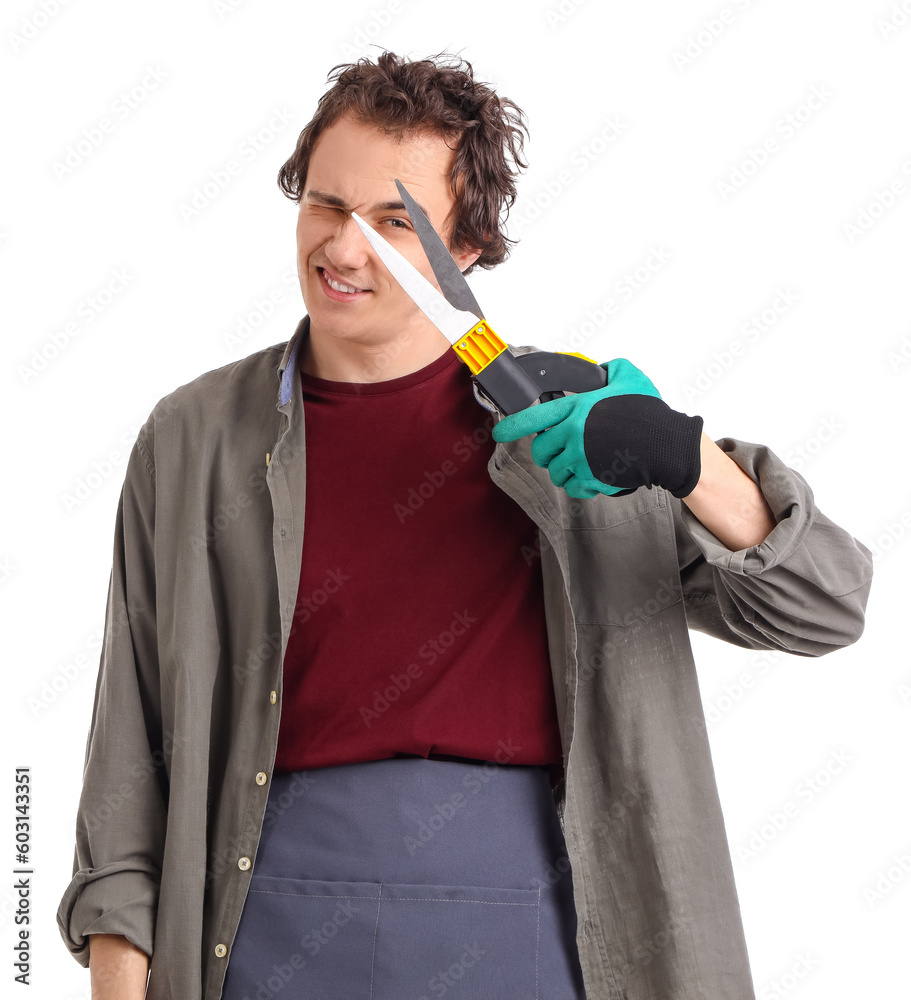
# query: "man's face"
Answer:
x=353 y=168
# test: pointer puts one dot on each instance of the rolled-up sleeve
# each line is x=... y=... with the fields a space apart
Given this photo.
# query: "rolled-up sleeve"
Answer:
x=803 y=589
x=121 y=818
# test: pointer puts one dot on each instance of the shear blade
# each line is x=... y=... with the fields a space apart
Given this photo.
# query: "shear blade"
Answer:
x=452 y=281
x=453 y=323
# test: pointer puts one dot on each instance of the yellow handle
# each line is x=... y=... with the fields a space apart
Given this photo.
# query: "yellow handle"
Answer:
x=479 y=347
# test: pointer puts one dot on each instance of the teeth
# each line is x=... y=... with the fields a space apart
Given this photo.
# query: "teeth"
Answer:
x=340 y=287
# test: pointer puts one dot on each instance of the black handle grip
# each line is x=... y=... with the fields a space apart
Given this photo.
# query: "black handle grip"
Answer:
x=516 y=381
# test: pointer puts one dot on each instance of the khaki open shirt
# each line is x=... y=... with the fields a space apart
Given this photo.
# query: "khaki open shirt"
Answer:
x=206 y=566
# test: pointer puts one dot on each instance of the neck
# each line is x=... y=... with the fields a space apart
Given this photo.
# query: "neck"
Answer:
x=349 y=361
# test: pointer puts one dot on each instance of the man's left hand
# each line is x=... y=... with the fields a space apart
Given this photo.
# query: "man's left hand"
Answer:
x=611 y=440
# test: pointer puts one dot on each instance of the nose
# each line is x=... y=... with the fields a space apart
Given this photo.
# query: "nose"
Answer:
x=348 y=248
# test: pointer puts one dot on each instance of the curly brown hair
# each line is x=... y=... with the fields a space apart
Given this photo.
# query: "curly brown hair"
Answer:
x=402 y=97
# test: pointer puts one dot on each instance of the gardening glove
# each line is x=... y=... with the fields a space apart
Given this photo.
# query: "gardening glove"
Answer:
x=611 y=440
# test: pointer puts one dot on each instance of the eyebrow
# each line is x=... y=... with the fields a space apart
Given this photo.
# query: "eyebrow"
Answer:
x=383 y=206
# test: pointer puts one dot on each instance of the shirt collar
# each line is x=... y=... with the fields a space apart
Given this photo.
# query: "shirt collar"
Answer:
x=287 y=369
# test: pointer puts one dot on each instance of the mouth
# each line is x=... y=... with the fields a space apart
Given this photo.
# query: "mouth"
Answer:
x=338 y=290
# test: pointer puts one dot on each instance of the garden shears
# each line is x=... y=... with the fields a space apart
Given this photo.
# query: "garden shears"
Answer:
x=512 y=381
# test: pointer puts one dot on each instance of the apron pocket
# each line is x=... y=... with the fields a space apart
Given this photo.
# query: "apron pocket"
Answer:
x=311 y=937
x=479 y=940
x=324 y=939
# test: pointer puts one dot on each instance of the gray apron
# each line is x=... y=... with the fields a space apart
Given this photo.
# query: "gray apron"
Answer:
x=409 y=879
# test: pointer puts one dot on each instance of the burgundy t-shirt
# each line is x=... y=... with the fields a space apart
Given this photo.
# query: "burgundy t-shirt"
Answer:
x=419 y=628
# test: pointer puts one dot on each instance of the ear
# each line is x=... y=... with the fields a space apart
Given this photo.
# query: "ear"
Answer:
x=466 y=258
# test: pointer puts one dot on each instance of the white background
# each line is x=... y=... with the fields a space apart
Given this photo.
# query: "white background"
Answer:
x=825 y=385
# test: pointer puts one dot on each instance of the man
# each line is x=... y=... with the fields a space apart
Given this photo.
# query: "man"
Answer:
x=461 y=598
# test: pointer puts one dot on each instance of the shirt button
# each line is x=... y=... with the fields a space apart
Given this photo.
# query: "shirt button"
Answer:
x=273 y=697
x=262 y=778
x=243 y=864
x=221 y=950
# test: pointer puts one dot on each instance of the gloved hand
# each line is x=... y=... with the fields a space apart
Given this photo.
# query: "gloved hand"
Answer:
x=611 y=440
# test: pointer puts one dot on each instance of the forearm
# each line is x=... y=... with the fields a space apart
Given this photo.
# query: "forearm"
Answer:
x=727 y=501
x=119 y=969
